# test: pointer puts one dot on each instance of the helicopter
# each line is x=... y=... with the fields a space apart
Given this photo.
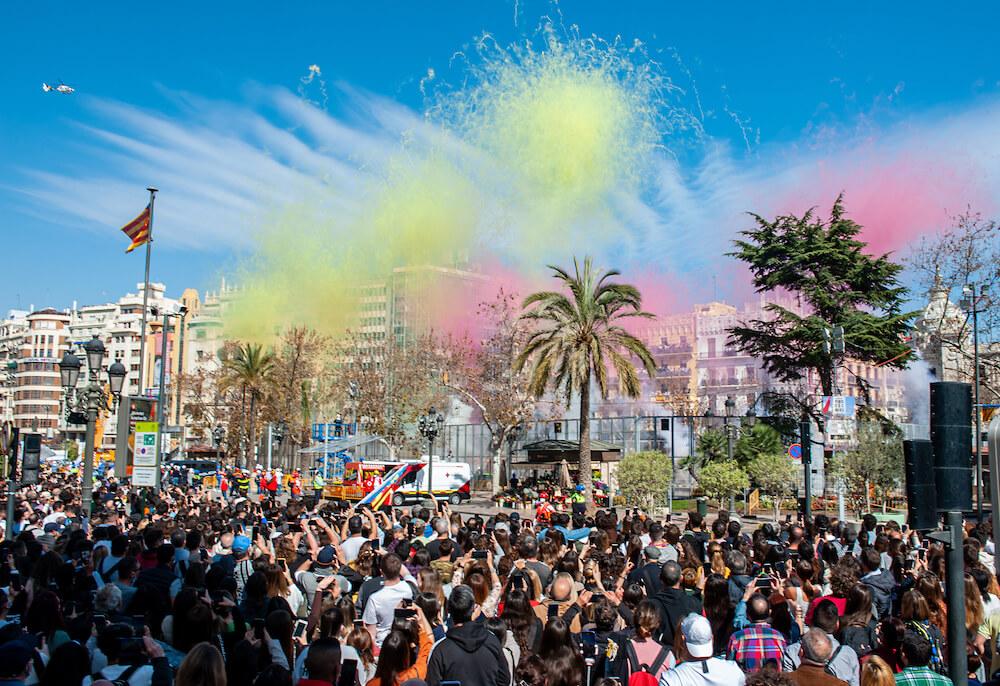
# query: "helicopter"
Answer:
x=60 y=88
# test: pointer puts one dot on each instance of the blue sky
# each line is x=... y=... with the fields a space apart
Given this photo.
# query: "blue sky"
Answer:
x=853 y=86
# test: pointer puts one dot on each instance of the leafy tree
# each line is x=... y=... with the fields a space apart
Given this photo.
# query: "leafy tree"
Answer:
x=877 y=463
x=250 y=368
x=774 y=474
x=712 y=446
x=482 y=373
x=754 y=441
x=644 y=478
x=722 y=480
x=824 y=265
x=578 y=337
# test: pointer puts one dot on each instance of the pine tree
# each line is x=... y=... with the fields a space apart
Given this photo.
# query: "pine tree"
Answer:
x=824 y=264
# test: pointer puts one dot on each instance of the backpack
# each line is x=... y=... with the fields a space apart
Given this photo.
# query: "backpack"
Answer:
x=122 y=679
x=937 y=655
x=639 y=674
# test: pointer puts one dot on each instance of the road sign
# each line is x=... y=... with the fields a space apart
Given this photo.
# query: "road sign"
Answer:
x=144 y=476
x=841 y=406
x=795 y=451
x=145 y=447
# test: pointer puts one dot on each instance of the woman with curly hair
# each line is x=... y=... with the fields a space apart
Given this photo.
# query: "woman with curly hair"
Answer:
x=843 y=577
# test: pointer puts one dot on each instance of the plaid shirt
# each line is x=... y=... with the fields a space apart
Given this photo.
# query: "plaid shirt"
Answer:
x=751 y=647
x=921 y=676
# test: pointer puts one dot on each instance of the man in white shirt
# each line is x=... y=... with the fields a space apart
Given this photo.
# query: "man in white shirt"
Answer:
x=382 y=604
x=696 y=665
x=353 y=542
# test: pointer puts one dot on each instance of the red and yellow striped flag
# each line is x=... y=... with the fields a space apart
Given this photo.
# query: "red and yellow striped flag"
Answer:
x=138 y=230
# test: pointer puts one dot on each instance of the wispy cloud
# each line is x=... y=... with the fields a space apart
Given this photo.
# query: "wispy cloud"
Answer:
x=224 y=168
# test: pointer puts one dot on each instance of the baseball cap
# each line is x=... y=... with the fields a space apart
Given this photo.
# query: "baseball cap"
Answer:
x=51 y=526
x=652 y=552
x=241 y=544
x=697 y=634
x=326 y=555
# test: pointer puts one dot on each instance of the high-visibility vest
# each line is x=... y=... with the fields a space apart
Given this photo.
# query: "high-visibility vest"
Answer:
x=318 y=482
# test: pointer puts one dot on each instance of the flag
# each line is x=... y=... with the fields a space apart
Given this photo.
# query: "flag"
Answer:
x=138 y=230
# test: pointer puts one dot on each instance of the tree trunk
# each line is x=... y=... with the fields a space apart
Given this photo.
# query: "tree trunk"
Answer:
x=252 y=441
x=497 y=457
x=242 y=435
x=585 y=477
x=868 y=497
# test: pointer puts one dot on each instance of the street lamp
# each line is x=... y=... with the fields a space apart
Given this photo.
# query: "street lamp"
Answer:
x=218 y=433
x=972 y=303
x=82 y=408
x=729 y=428
x=430 y=426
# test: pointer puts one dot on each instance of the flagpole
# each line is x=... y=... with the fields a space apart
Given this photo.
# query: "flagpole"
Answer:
x=145 y=295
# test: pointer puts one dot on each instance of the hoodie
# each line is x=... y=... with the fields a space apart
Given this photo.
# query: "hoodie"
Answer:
x=470 y=655
x=882 y=583
x=738 y=586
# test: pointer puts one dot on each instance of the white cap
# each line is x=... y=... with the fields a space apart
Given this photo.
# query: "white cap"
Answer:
x=697 y=635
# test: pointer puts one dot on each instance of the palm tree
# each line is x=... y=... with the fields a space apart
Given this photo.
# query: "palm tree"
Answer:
x=250 y=367
x=578 y=337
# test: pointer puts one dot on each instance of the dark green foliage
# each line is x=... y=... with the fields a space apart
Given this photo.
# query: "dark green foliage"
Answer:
x=824 y=264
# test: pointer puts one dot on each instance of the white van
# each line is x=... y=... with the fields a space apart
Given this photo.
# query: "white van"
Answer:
x=452 y=480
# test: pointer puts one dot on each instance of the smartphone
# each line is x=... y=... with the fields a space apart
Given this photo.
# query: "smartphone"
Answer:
x=922 y=554
x=588 y=639
x=404 y=613
x=85 y=555
x=130 y=645
x=359 y=623
x=450 y=683
x=254 y=533
x=908 y=565
x=258 y=629
x=349 y=673
x=553 y=610
x=283 y=563
x=768 y=568
x=300 y=628
x=479 y=554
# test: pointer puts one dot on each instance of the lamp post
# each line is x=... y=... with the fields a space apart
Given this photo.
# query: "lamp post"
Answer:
x=971 y=303
x=218 y=433
x=88 y=402
x=730 y=410
x=430 y=425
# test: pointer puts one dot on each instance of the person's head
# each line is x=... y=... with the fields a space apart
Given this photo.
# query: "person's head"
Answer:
x=859 y=606
x=555 y=636
x=391 y=566
x=758 y=609
x=323 y=660
x=528 y=547
x=165 y=555
x=816 y=647
x=108 y=599
x=68 y=665
x=202 y=666
x=670 y=574
x=561 y=587
x=876 y=672
x=531 y=671
x=737 y=562
x=361 y=640
x=769 y=676
x=916 y=650
x=871 y=560
x=110 y=639
x=646 y=619
x=696 y=637
x=354 y=525
x=15 y=656
x=826 y=617
x=445 y=548
x=461 y=604
x=695 y=520
x=914 y=607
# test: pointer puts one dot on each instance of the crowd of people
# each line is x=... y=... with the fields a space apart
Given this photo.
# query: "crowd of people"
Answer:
x=184 y=587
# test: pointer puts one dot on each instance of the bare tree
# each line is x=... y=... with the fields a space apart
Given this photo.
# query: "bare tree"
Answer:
x=482 y=373
x=965 y=254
